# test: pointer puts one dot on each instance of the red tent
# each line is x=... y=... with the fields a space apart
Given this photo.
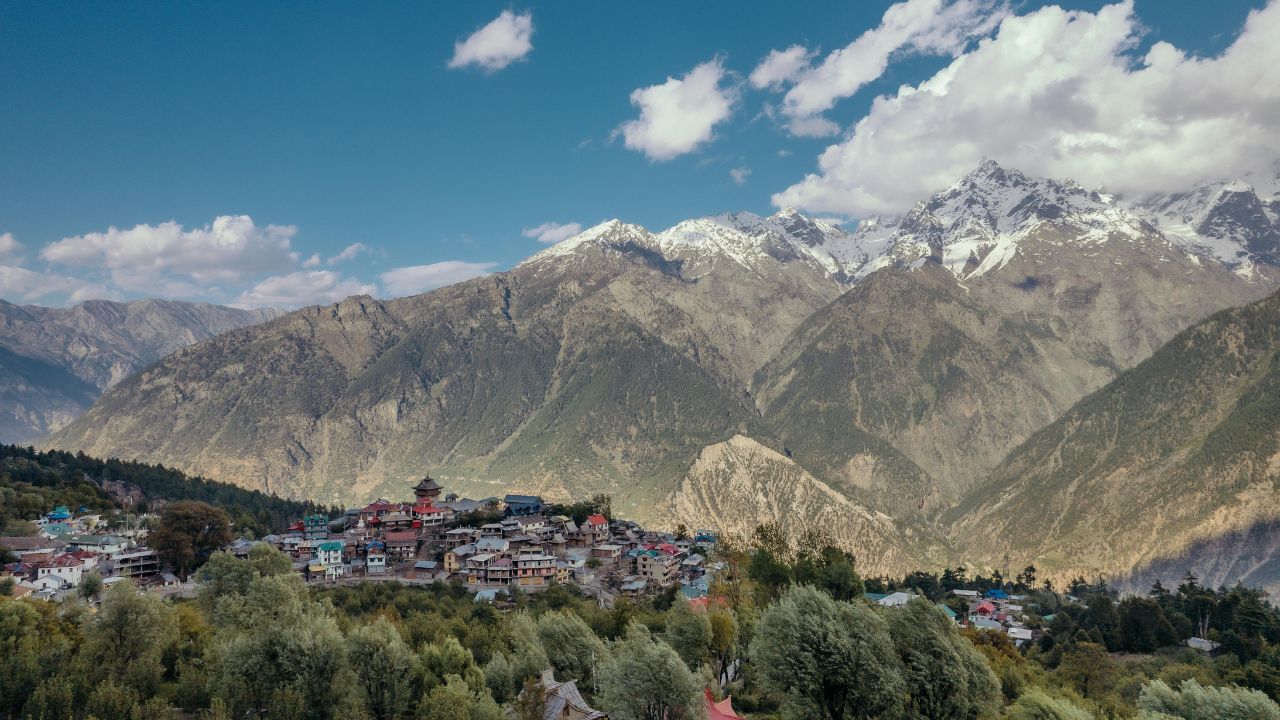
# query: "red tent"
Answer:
x=722 y=710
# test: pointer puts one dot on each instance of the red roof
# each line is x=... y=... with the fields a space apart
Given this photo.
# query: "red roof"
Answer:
x=669 y=549
x=722 y=710
x=426 y=508
x=985 y=607
x=402 y=536
x=596 y=519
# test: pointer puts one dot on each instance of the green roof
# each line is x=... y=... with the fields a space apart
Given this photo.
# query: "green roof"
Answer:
x=950 y=613
x=330 y=546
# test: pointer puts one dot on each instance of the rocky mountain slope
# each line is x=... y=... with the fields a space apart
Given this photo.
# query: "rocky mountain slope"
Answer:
x=892 y=367
x=54 y=362
x=1173 y=466
x=1000 y=302
x=738 y=484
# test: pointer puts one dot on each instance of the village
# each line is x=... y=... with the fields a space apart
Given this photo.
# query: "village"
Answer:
x=493 y=547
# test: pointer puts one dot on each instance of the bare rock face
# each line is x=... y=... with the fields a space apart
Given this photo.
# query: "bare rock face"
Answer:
x=54 y=362
x=738 y=484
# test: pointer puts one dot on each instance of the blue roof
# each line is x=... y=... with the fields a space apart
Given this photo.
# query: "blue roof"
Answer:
x=522 y=499
x=876 y=597
x=997 y=593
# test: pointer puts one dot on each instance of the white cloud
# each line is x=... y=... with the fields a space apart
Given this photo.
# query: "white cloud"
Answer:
x=935 y=27
x=552 y=232
x=421 y=278
x=1058 y=93
x=306 y=287
x=313 y=261
x=781 y=66
x=17 y=283
x=168 y=258
x=679 y=115
x=348 y=253
x=9 y=247
x=496 y=45
x=739 y=175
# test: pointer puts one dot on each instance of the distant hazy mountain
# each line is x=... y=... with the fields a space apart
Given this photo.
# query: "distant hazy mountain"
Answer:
x=1174 y=466
x=54 y=362
x=876 y=375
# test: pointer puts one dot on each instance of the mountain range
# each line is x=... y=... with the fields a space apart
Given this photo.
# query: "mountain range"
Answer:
x=727 y=369
x=54 y=362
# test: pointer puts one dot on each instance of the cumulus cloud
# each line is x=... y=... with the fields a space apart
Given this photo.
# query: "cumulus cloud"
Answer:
x=780 y=67
x=739 y=175
x=18 y=283
x=305 y=287
x=9 y=247
x=348 y=253
x=934 y=27
x=176 y=261
x=1058 y=93
x=421 y=278
x=552 y=232
x=680 y=115
x=503 y=41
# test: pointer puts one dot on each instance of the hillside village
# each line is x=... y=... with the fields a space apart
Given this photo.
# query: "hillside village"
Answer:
x=493 y=547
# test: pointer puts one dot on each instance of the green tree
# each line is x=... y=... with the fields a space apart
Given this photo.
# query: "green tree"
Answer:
x=1192 y=701
x=528 y=659
x=90 y=585
x=827 y=659
x=126 y=639
x=689 y=634
x=267 y=561
x=383 y=666
x=448 y=657
x=188 y=533
x=1087 y=669
x=1036 y=705
x=277 y=644
x=571 y=646
x=645 y=679
x=21 y=647
x=499 y=678
x=456 y=699
x=1143 y=626
x=947 y=679
x=223 y=575
x=724 y=642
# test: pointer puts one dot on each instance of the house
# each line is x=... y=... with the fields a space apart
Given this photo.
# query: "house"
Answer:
x=951 y=614
x=33 y=548
x=535 y=570
x=658 y=567
x=328 y=556
x=517 y=505
x=375 y=557
x=966 y=594
x=101 y=544
x=65 y=566
x=315 y=527
x=563 y=701
x=456 y=559
x=607 y=553
x=1020 y=636
x=633 y=586
x=897 y=599
x=722 y=710
x=137 y=564
x=402 y=545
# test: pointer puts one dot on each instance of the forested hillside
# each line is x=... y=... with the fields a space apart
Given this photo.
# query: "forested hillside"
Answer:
x=32 y=482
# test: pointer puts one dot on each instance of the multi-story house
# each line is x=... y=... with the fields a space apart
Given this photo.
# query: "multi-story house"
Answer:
x=534 y=569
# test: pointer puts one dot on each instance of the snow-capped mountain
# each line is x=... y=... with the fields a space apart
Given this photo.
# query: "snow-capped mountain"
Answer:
x=745 y=239
x=1236 y=222
x=973 y=228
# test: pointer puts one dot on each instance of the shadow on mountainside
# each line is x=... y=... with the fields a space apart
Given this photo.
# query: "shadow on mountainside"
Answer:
x=1250 y=556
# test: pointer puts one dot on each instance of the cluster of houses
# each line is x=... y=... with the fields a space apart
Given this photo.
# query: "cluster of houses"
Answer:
x=51 y=564
x=491 y=546
x=990 y=610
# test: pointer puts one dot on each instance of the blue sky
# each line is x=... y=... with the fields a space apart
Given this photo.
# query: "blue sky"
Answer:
x=337 y=124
